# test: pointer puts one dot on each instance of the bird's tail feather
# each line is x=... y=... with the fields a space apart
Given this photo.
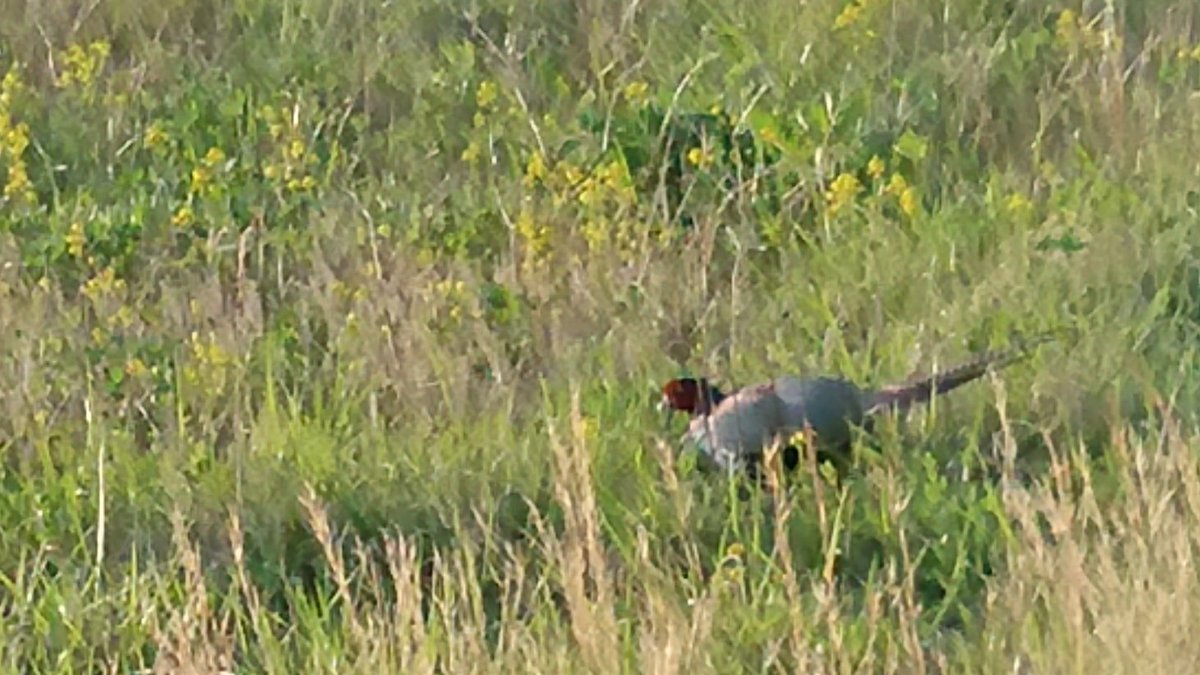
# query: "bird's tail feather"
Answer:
x=902 y=396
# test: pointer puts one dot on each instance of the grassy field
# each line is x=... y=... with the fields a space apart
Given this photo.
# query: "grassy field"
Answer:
x=332 y=333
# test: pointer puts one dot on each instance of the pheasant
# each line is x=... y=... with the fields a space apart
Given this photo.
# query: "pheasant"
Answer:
x=733 y=430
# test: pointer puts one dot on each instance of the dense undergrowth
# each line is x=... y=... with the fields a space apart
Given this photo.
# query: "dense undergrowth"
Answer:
x=332 y=333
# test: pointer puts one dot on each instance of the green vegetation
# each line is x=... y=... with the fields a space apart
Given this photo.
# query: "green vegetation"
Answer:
x=332 y=333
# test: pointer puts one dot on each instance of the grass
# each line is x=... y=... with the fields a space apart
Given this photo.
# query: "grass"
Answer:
x=333 y=331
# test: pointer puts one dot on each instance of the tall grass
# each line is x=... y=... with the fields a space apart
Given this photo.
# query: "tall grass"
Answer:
x=332 y=332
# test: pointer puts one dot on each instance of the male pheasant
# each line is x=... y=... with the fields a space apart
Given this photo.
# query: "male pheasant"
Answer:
x=732 y=431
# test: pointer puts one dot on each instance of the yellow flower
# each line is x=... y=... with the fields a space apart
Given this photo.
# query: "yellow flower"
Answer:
x=842 y=191
x=733 y=575
x=589 y=191
x=471 y=154
x=11 y=86
x=699 y=158
x=732 y=569
x=896 y=185
x=849 y=15
x=535 y=169
x=214 y=157
x=486 y=94
x=135 y=367
x=615 y=177
x=209 y=352
x=155 y=136
x=201 y=178
x=18 y=185
x=1018 y=204
x=1066 y=28
x=76 y=239
x=267 y=114
x=799 y=440
x=16 y=139
x=123 y=317
x=571 y=173
x=296 y=149
x=80 y=65
x=537 y=237
x=208 y=365
x=909 y=202
x=876 y=167
x=99 y=50
x=635 y=91
x=596 y=233
x=183 y=216
x=103 y=283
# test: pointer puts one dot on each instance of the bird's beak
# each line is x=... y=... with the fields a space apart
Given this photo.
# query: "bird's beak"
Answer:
x=664 y=407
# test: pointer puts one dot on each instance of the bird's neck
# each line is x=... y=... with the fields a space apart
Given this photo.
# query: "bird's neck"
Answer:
x=710 y=398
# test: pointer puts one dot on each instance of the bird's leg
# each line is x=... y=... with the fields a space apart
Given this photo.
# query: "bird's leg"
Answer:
x=791 y=457
x=757 y=467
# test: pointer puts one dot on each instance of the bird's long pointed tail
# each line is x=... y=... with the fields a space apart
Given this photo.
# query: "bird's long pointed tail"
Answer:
x=902 y=396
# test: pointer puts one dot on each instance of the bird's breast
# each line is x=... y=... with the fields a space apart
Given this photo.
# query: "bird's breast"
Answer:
x=740 y=427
